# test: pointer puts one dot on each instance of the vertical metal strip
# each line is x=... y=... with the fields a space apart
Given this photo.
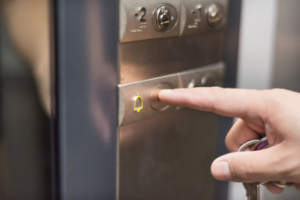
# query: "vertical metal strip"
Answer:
x=55 y=157
x=230 y=57
x=86 y=64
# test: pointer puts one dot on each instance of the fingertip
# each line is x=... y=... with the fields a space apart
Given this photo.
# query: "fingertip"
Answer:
x=220 y=170
x=164 y=94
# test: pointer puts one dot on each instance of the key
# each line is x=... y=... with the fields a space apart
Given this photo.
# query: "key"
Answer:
x=252 y=191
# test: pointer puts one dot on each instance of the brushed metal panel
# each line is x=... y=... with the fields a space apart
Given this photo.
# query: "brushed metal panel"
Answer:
x=168 y=157
x=147 y=59
x=131 y=29
x=144 y=88
x=190 y=19
x=194 y=20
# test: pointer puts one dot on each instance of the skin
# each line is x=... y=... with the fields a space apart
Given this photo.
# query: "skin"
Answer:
x=271 y=113
x=27 y=24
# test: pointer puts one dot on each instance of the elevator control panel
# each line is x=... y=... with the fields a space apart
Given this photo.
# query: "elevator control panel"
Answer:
x=139 y=101
x=143 y=20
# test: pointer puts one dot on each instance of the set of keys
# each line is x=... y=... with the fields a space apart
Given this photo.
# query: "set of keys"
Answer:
x=253 y=189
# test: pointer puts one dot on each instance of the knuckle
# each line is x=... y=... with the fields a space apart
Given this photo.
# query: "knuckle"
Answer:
x=241 y=170
x=214 y=92
x=273 y=94
x=285 y=165
x=288 y=169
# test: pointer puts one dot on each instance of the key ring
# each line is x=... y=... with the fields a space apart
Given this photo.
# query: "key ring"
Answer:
x=248 y=144
x=259 y=145
x=263 y=145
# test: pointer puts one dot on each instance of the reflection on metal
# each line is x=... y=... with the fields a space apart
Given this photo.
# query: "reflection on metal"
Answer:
x=215 y=15
x=191 y=84
x=154 y=58
x=170 y=18
x=168 y=157
x=150 y=87
x=210 y=79
x=158 y=154
x=134 y=30
x=164 y=17
x=194 y=17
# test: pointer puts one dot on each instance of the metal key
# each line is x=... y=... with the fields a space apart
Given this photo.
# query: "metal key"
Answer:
x=252 y=189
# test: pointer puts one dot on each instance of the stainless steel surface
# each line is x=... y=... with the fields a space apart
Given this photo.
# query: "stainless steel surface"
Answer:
x=145 y=89
x=131 y=26
x=155 y=102
x=164 y=17
x=210 y=79
x=194 y=17
x=168 y=157
x=164 y=157
x=166 y=153
x=153 y=58
x=215 y=14
x=137 y=18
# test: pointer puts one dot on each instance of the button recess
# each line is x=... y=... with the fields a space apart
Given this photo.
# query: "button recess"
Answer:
x=210 y=79
x=164 y=17
x=155 y=103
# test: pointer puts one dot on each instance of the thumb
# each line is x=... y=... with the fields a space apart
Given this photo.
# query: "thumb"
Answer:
x=250 y=166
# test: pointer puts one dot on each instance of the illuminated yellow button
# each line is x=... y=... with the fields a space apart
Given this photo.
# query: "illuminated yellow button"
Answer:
x=138 y=103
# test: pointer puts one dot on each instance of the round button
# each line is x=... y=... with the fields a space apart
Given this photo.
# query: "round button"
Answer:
x=155 y=103
x=164 y=17
x=215 y=14
x=210 y=80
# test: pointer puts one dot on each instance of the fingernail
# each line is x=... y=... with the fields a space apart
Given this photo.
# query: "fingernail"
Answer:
x=221 y=171
x=166 y=90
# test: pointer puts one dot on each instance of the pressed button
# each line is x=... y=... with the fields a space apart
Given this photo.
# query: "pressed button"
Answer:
x=210 y=79
x=155 y=103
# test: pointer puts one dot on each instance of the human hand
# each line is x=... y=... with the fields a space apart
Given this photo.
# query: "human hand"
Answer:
x=271 y=113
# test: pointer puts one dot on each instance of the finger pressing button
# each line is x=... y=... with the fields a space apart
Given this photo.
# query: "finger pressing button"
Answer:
x=155 y=102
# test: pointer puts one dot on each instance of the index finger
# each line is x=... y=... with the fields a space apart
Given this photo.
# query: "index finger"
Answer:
x=227 y=102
